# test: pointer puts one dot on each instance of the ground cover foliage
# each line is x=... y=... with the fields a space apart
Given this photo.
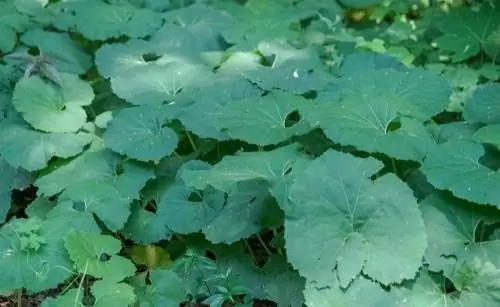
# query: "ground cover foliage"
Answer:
x=289 y=153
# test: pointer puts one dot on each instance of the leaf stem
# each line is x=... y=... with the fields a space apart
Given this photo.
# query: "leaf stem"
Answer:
x=394 y=167
x=275 y=233
x=250 y=251
x=20 y=297
x=264 y=245
x=191 y=141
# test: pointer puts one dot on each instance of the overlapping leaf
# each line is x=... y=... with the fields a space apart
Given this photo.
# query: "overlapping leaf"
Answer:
x=110 y=199
x=363 y=292
x=263 y=120
x=195 y=28
x=64 y=54
x=200 y=116
x=166 y=289
x=292 y=69
x=32 y=250
x=468 y=32
x=98 y=20
x=114 y=59
x=455 y=166
x=452 y=227
x=90 y=253
x=22 y=146
x=381 y=109
x=160 y=81
x=278 y=167
x=107 y=293
x=12 y=178
x=483 y=107
x=258 y=20
x=95 y=164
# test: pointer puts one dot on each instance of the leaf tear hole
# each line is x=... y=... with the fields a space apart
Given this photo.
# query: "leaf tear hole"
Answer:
x=292 y=119
x=393 y=125
x=104 y=257
x=195 y=197
x=268 y=61
x=79 y=206
x=150 y=57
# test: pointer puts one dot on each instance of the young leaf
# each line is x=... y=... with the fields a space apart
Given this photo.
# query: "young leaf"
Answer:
x=96 y=255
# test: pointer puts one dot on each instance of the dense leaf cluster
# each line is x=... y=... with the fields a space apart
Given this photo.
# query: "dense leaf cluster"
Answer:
x=305 y=152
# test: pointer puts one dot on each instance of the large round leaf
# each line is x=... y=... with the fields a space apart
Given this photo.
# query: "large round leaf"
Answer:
x=349 y=221
x=140 y=133
x=50 y=107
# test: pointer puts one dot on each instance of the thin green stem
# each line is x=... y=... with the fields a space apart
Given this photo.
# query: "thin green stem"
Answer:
x=264 y=245
x=394 y=167
x=191 y=141
x=80 y=285
x=250 y=251
x=176 y=154
x=275 y=233
x=20 y=297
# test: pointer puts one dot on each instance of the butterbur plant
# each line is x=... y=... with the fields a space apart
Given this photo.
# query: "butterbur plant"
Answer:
x=261 y=153
x=36 y=65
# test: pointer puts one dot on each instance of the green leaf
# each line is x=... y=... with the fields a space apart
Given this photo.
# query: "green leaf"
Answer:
x=33 y=254
x=284 y=286
x=195 y=28
x=259 y=20
x=12 y=178
x=22 y=146
x=428 y=289
x=73 y=297
x=201 y=118
x=140 y=133
x=362 y=292
x=109 y=293
x=482 y=107
x=7 y=38
x=110 y=199
x=52 y=108
x=114 y=59
x=63 y=53
x=10 y=16
x=294 y=70
x=96 y=255
x=166 y=290
x=278 y=167
x=94 y=164
x=121 y=19
x=158 y=81
x=453 y=226
x=94 y=181
x=421 y=94
x=478 y=279
x=361 y=4
x=455 y=166
x=144 y=226
x=467 y=32
x=240 y=218
x=349 y=221
x=357 y=63
x=263 y=121
x=180 y=203
x=365 y=122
